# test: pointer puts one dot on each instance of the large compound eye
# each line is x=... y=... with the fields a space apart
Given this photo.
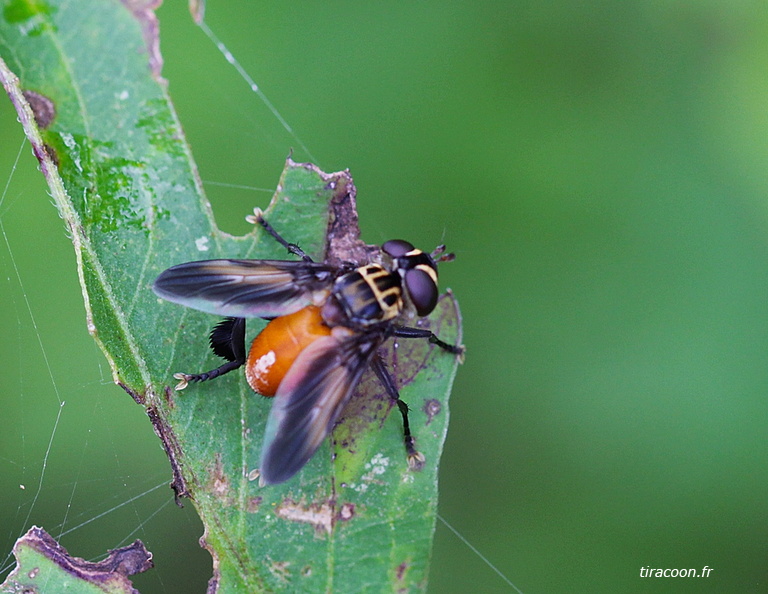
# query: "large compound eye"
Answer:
x=422 y=290
x=397 y=247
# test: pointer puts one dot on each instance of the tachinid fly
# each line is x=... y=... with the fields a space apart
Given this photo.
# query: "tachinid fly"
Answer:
x=326 y=326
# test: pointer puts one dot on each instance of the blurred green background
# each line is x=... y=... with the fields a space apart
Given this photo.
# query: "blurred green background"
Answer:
x=601 y=171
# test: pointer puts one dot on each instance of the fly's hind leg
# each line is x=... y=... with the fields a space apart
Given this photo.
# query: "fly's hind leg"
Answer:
x=227 y=341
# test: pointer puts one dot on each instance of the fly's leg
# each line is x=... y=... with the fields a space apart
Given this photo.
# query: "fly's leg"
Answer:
x=406 y=332
x=415 y=458
x=257 y=218
x=227 y=341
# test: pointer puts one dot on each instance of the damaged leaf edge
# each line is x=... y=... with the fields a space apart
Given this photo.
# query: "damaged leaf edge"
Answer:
x=115 y=568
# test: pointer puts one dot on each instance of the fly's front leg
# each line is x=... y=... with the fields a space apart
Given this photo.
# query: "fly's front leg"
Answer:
x=257 y=218
x=227 y=341
x=415 y=459
x=407 y=332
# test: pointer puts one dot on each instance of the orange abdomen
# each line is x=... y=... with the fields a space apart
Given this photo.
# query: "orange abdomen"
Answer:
x=274 y=350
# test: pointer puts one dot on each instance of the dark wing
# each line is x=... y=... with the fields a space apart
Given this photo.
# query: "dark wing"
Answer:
x=309 y=400
x=244 y=288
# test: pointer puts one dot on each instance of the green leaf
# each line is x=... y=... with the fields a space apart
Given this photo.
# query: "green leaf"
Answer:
x=122 y=176
x=43 y=565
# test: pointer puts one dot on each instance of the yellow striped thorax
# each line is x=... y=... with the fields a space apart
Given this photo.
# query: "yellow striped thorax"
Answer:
x=376 y=293
x=369 y=295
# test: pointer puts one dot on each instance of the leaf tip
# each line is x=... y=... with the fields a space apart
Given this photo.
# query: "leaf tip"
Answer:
x=37 y=549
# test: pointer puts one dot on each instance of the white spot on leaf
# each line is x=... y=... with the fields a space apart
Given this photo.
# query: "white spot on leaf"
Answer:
x=201 y=243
